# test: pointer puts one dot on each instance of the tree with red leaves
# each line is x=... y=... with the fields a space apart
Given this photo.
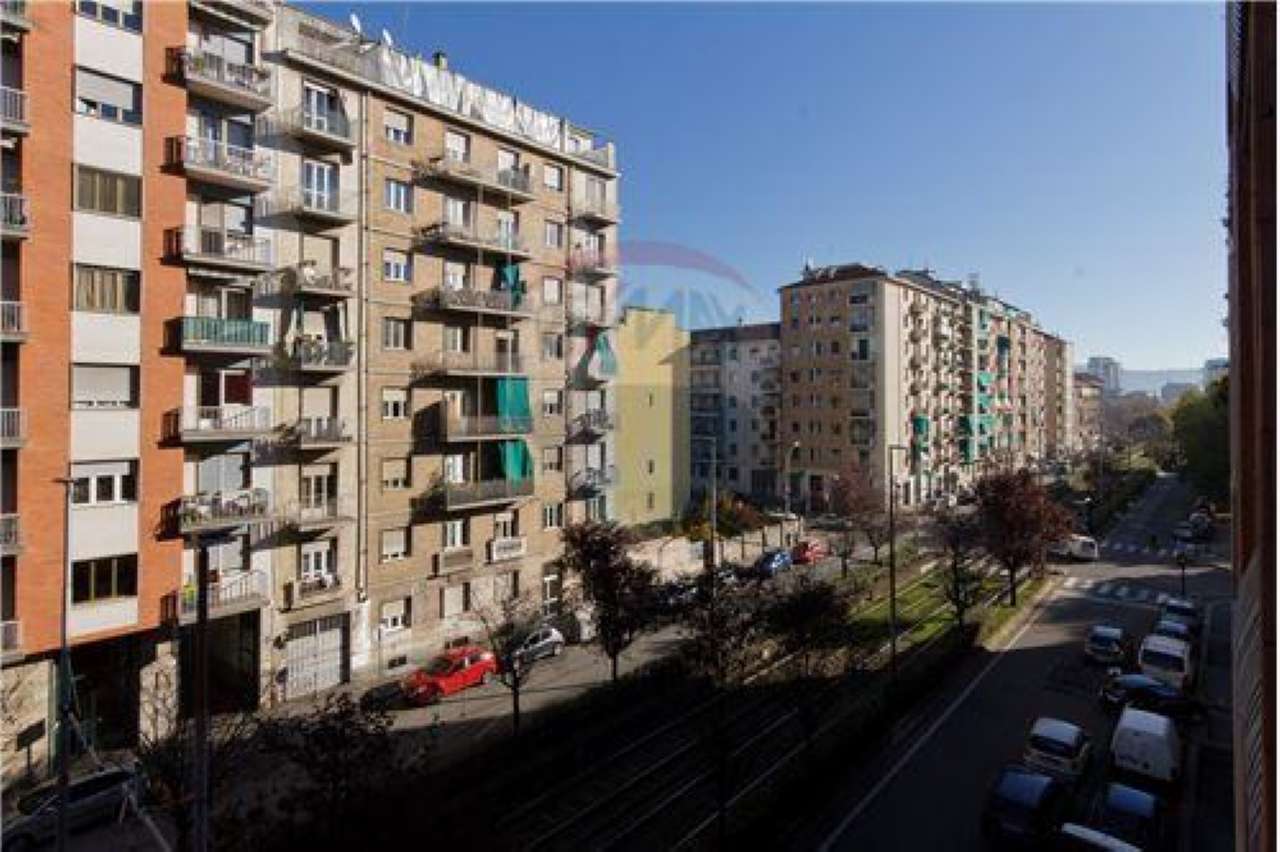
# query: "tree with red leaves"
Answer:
x=1019 y=521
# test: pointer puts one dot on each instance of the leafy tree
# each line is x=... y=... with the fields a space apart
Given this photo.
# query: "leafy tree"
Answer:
x=959 y=536
x=723 y=624
x=1019 y=521
x=619 y=589
x=808 y=616
x=734 y=516
x=1202 y=431
x=859 y=499
x=507 y=624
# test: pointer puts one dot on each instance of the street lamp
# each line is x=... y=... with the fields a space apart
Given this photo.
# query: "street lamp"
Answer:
x=715 y=475
x=786 y=485
x=893 y=564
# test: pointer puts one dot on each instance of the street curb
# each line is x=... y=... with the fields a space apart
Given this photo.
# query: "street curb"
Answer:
x=995 y=642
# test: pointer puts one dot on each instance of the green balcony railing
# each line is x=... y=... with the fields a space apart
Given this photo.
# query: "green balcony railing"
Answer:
x=218 y=332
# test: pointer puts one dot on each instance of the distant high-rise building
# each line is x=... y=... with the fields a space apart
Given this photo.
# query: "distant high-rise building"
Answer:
x=1214 y=369
x=1107 y=369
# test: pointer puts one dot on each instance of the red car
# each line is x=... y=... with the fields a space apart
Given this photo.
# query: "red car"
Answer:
x=452 y=671
x=807 y=552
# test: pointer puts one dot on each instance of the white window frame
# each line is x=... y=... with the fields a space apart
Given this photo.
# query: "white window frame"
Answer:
x=397 y=334
x=397 y=195
x=553 y=515
x=388 y=552
x=455 y=534
x=553 y=403
x=397 y=266
x=394 y=408
x=553 y=177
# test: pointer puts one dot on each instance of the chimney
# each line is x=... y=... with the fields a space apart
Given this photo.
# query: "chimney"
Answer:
x=441 y=60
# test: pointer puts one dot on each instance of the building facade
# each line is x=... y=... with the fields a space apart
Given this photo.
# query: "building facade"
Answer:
x=931 y=377
x=651 y=416
x=1088 y=398
x=1214 y=369
x=734 y=399
x=1107 y=369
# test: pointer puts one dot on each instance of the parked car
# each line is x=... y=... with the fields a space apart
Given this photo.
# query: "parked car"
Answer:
x=1109 y=645
x=1168 y=660
x=771 y=564
x=1080 y=547
x=1073 y=837
x=1023 y=809
x=1147 y=746
x=1174 y=629
x=676 y=595
x=808 y=551
x=1057 y=748
x=1146 y=693
x=1132 y=815
x=385 y=696
x=1183 y=610
x=452 y=671
x=544 y=642
x=91 y=800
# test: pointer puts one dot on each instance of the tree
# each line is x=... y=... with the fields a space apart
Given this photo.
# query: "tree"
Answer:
x=808 y=616
x=1202 y=432
x=959 y=536
x=619 y=589
x=859 y=498
x=507 y=624
x=1018 y=520
x=1153 y=432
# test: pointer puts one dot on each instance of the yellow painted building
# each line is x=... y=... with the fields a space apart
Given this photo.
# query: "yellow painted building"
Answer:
x=652 y=416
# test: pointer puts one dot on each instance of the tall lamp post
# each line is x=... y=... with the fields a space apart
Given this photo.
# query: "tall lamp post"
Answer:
x=786 y=487
x=64 y=674
x=715 y=475
x=893 y=564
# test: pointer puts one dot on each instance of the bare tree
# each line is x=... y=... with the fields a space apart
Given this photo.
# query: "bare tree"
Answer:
x=959 y=536
x=1019 y=520
x=860 y=501
x=507 y=624
x=618 y=588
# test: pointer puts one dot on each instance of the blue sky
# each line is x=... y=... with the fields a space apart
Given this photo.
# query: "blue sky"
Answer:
x=1072 y=156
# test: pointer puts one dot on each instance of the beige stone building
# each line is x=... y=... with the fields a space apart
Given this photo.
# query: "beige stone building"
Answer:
x=650 y=415
x=1088 y=390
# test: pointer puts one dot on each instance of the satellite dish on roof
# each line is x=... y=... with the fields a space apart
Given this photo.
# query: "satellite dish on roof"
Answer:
x=386 y=38
x=355 y=23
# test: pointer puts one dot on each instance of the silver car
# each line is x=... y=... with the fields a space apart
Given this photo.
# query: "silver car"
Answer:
x=543 y=642
x=91 y=800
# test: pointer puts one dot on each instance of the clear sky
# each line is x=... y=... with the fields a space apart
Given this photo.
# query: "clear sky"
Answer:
x=1071 y=155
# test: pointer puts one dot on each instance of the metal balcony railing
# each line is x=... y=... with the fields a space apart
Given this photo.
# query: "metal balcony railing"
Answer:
x=13 y=106
x=454 y=559
x=468 y=299
x=333 y=124
x=452 y=167
x=218 y=333
x=15 y=211
x=597 y=420
x=253 y=80
x=322 y=430
x=327 y=510
x=595 y=207
x=581 y=313
x=474 y=426
x=473 y=361
x=323 y=354
x=13 y=426
x=310 y=587
x=329 y=203
x=224 y=420
x=594 y=477
x=14 y=13
x=467 y=234
x=588 y=262
x=220 y=244
x=236 y=589
x=214 y=509
x=10 y=533
x=309 y=278
x=506 y=548
x=458 y=494
x=248 y=164
x=13 y=319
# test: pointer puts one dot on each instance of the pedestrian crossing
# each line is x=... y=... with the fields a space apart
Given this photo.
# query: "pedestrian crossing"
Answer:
x=1123 y=547
x=1108 y=589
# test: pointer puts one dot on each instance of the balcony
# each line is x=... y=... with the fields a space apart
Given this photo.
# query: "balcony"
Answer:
x=593 y=264
x=593 y=423
x=327 y=129
x=468 y=236
x=210 y=246
x=10 y=535
x=510 y=183
x=13 y=428
x=211 y=423
x=585 y=315
x=466 y=299
x=307 y=279
x=218 y=79
x=489 y=362
x=453 y=560
x=14 y=15
x=218 y=163
x=485 y=492
x=593 y=478
x=312 y=588
x=321 y=355
x=484 y=427
x=222 y=510
x=13 y=322
x=592 y=208
x=320 y=433
x=316 y=514
x=16 y=212
x=13 y=111
x=508 y=548
x=218 y=336
x=258 y=12
x=326 y=207
x=237 y=592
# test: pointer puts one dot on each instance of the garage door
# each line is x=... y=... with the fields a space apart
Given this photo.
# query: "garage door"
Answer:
x=316 y=656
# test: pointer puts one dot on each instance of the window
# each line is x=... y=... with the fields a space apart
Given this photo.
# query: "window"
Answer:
x=109 y=98
x=456 y=534
x=648 y=500
x=457 y=211
x=396 y=334
x=506 y=525
x=455 y=600
x=457 y=146
x=506 y=586
x=98 y=191
x=552 y=516
x=395 y=615
x=508 y=161
x=99 y=386
x=552 y=345
x=394 y=543
x=553 y=177
x=126 y=14
x=651 y=399
x=398 y=126
x=395 y=474
x=397 y=195
x=552 y=459
x=104 y=578
x=396 y=266
x=455 y=275
x=455 y=338
x=395 y=403
x=104 y=483
x=552 y=403
x=554 y=234
x=106 y=291
x=552 y=291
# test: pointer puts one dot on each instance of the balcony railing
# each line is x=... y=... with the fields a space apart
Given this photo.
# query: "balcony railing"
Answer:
x=13 y=427
x=220 y=509
x=239 y=166
x=217 y=245
x=13 y=108
x=10 y=534
x=322 y=430
x=329 y=204
x=223 y=422
x=215 y=333
x=308 y=278
x=245 y=84
x=454 y=559
x=460 y=494
x=585 y=314
x=329 y=126
x=594 y=478
x=595 y=207
x=450 y=167
x=506 y=548
x=260 y=10
x=320 y=512
x=474 y=361
x=587 y=262
x=467 y=235
x=468 y=299
x=16 y=213
x=239 y=590
x=596 y=421
x=311 y=587
x=13 y=320
x=14 y=14
x=473 y=426
x=323 y=354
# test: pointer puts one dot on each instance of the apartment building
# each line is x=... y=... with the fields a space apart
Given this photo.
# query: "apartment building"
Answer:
x=1109 y=370
x=933 y=377
x=1088 y=390
x=1214 y=369
x=651 y=416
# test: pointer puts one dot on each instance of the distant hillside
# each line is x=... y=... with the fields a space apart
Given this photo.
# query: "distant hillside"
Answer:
x=1150 y=381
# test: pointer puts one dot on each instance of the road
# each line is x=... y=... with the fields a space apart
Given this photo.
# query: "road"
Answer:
x=944 y=769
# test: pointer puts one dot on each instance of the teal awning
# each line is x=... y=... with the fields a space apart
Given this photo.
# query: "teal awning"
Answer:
x=513 y=397
x=604 y=352
x=509 y=279
x=920 y=424
x=517 y=463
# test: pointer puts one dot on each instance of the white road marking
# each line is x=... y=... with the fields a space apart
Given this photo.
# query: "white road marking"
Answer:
x=1161 y=598
x=1072 y=582
x=1103 y=589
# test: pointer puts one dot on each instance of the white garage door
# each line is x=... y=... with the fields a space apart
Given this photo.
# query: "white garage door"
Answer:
x=316 y=656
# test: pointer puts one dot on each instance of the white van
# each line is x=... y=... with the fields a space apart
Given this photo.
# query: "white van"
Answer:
x=1147 y=744
x=1074 y=836
x=1168 y=660
x=1080 y=547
